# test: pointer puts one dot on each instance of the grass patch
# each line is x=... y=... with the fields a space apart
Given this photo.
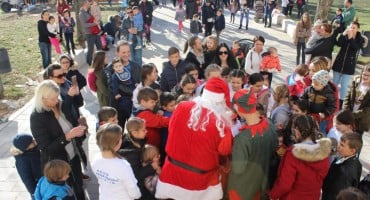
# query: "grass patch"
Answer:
x=18 y=34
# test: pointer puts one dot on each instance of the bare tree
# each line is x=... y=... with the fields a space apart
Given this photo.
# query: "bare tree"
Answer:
x=80 y=32
x=323 y=8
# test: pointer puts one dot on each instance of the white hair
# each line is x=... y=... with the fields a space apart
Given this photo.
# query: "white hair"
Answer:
x=46 y=89
x=199 y=120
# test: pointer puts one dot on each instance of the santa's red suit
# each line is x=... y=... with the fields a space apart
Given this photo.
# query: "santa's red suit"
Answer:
x=197 y=137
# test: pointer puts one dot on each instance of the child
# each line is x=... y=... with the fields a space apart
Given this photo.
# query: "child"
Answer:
x=321 y=99
x=211 y=71
x=296 y=81
x=68 y=24
x=219 y=22
x=344 y=123
x=192 y=70
x=233 y=10
x=147 y=98
x=27 y=160
x=115 y=175
x=299 y=107
x=139 y=25
x=173 y=70
x=53 y=28
x=180 y=17
x=168 y=103
x=132 y=149
x=186 y=86
x=270 y=64
x=96 y=78
x=337 y=21
x=195 y=25
x=106 y=115
x=53 y=184
x=149 y=77
x=315 y=36
x=345 y=171
x=236 y=81
x=151 y=155
x=238 y=53
x=122 y=88
x=244 y=13
x=96 y=16
x=281 y=113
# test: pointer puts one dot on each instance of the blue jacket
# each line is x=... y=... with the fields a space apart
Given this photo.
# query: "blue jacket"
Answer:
x=46 y=190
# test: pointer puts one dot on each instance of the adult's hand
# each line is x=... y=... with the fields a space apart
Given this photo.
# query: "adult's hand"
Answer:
x=76 y=132
x=73 y=91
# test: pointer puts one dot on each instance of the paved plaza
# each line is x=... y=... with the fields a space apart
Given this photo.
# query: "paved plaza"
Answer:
x=164 y=35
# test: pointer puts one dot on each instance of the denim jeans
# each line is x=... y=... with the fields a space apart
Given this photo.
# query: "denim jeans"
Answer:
x=301 y=46
x=246 y=15
x=136 y=54
x=268 y=16
x=45 y=50
x=91 y=41
x=69 y=41
x=344 y=81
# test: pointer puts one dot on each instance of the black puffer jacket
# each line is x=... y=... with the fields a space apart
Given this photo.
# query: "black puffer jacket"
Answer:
x=345 y=61
x=322 y=47
x=323 y=101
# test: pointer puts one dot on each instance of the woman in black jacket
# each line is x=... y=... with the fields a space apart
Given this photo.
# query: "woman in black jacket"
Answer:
x=54 y=134
x=208 y=17
x=225 y=58
x=325 y=45
x=195 y=54
x=344 y=66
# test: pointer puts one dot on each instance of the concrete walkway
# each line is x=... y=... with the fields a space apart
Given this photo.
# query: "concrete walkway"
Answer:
x=164 y=35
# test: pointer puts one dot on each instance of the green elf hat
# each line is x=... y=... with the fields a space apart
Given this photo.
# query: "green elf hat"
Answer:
x=245 y=101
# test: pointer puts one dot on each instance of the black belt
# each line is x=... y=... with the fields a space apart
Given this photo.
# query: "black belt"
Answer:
x=187 y=167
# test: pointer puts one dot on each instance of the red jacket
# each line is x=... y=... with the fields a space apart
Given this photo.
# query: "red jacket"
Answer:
x=270 y=62
x=302 y=171
x=153 y=123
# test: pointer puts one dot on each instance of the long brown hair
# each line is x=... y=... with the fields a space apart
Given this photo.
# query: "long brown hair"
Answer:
x=306 y=25
x=109 y=136
x=98 y=62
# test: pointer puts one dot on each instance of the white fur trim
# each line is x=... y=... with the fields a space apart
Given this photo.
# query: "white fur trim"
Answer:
x=169 y=191
x=213 y=96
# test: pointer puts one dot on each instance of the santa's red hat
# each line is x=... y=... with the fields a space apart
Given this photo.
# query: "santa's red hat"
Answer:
x=245 y=100
x=217 y=91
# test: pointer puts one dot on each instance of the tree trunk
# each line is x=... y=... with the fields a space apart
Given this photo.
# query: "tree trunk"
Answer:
x=322 y=9
x=80 y=32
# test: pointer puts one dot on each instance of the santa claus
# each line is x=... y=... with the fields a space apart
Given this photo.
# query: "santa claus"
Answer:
x=199 y=132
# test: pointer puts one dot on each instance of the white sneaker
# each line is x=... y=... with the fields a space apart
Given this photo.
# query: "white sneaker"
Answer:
x=138 y=47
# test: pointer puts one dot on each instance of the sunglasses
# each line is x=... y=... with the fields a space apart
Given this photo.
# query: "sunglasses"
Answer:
x=223 y=52
x=60 y=75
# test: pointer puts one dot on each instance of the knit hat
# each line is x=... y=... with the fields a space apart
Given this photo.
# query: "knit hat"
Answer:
x=245 y=100
x=22 y=141
x=217 y=91
x=322 y=77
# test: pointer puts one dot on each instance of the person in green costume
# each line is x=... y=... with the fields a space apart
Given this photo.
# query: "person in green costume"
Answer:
x=253 y=149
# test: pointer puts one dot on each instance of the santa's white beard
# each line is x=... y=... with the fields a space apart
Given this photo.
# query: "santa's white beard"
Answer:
x=219 y=109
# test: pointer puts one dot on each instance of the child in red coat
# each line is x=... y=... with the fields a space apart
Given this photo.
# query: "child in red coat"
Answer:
x=297 y=81
x=270 y=63
x=147 y=98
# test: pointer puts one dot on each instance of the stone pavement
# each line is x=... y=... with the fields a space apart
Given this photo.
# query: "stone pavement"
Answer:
x=164 y=35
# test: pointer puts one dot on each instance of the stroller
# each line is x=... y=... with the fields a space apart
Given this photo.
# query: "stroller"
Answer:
x=259 y=9
x=245 y=46
x=7 y=5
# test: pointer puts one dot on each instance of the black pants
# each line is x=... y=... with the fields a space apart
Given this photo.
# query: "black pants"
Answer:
x=69 y=41
x=208 y=31
x=301 y=46
x=290 y=9
x=75 y=178
x=299 y=11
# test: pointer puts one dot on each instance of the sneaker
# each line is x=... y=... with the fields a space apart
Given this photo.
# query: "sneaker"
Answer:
x=138 y=47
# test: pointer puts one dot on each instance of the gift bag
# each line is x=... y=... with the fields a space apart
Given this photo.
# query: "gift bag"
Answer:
x=103 y=40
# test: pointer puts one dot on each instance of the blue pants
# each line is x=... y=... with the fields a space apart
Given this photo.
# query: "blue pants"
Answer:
x=246 y=15
x=45 y=50
x=137 y=53
x=344 y=81
x=91 y=41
